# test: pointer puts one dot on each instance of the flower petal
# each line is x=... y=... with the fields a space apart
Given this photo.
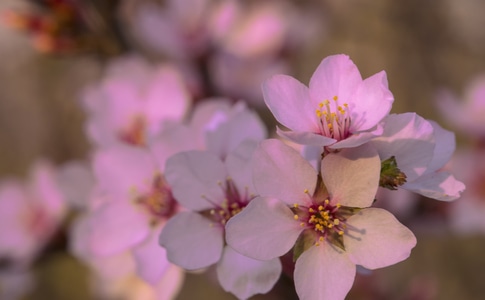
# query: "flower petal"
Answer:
x=336 y=75
x=244 y=276
x=117 y=226
x=191 y=241
x=352 y=176
x=289 y=101
x=306 y=138
x=167 y=97
x=240 y=126
x=375 y=239
x=265 y=229
x=371 y=102
x=438 y=185
x=111 y=165
x=151 y=259
x=194 y=177
x=323 y=272
x=171 y=283
x=281 y=172
x=409 y=138
x=238 y=165
x=444 y=148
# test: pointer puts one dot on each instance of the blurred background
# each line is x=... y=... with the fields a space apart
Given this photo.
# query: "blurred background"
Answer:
x=425 y=47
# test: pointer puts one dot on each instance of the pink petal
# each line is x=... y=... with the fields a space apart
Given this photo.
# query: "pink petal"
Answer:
x=323 y=272
x=239 y=127
x=375 y=239
x=151 y=259
x=306 y=138
x=244 y=276
x=444 y=148
x=409 y=138
x=438 y=185
x=170 y=141
x=167 y=96
x=352 y=176
x=120 y=169
x=194 y=178
x=265 y=229
x=170 y=284
x=192 y=241
x=281 y=172
x=337 y=76
x=238 y=164
x=289 y=101
x=117 y=226
x=371 y=102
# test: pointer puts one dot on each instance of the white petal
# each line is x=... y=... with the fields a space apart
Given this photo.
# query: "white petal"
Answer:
x=375 y=239
x=352 y=176
x=244 y=276
x=191 y=241
x=265 y=229
x=281 y=172
x=409 y=138
x=306 y=138
x=323 y=272
x=194 y=176
x=438 y=185
x=444 y=148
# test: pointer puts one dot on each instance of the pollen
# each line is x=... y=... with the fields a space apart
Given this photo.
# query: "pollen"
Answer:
x=334 y=118
x=295 y=217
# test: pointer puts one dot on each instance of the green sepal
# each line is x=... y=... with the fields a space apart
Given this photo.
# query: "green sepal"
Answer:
x=391 y=175
x=303 y=243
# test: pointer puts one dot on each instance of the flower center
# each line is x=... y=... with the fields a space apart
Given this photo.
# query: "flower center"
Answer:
x=158 y=202
x=233 y=203
x=134 y=134
x=334 y=119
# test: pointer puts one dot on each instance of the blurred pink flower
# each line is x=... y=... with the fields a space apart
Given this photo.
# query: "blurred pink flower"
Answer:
x=115 y=276
x=139 y=203
x=214 y=191
x=134 y=102
x=467 y=115
x=337 y=110
x=333 y=227
x=467 y=216
x=179 y=29
x=30 y=214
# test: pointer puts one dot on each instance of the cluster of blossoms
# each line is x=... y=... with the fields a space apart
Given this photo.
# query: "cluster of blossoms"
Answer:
x=179 y=179
x=211 y=190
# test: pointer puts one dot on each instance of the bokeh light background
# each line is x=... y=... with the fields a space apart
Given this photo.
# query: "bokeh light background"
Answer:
x=423 y=46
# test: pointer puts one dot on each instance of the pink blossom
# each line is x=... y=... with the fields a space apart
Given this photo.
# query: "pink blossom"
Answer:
x=337 y=110
x=134 y=106
x=332 y=225
x=214 y=191
x=466 y=115
x=467 y=215
x=30 y=214
x=172 y=30
x=139 y=203
x=117 y=276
